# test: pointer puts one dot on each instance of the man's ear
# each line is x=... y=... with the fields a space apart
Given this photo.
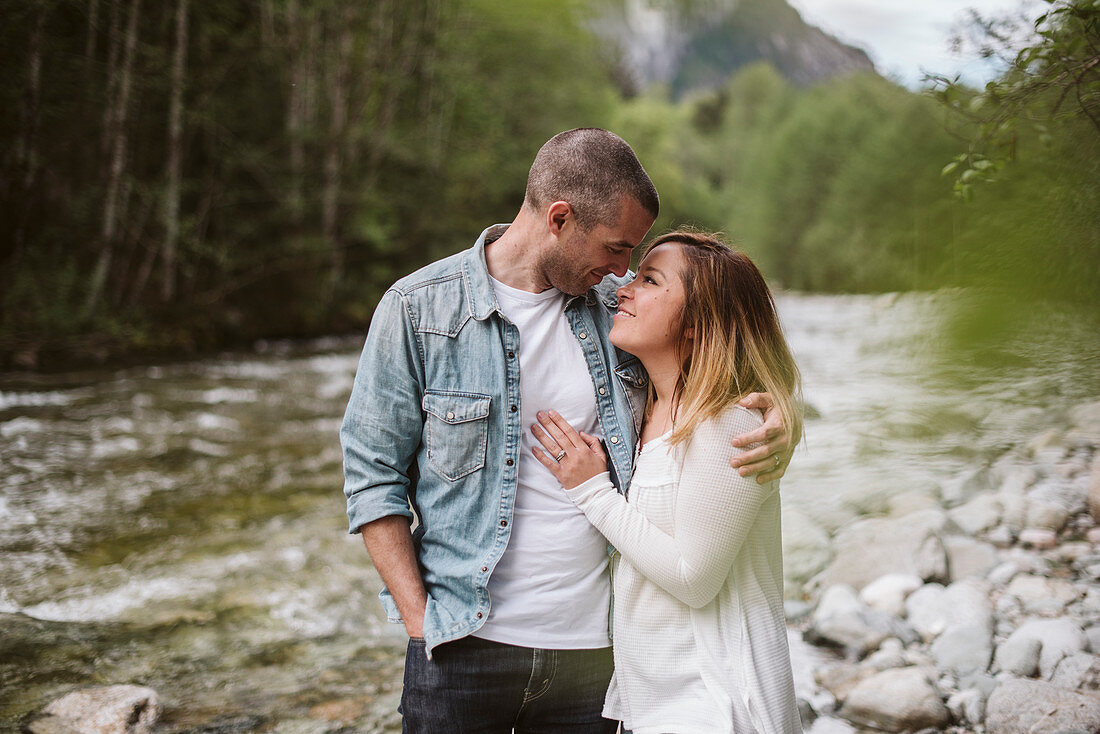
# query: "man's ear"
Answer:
x=558 y=216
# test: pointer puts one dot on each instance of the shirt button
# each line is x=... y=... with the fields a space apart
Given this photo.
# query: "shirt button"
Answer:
x=513 y=409
x=614 y=439
x=450 y=416
x=509 y=462
x=484 y=569
x=479 y=615
x=511 y=355
x=602 y=391
x=504 y=523
x=583 y=335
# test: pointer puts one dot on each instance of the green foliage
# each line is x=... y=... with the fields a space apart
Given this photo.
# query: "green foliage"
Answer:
x=1052 y=77
x=1032 y=156
x=330 y=147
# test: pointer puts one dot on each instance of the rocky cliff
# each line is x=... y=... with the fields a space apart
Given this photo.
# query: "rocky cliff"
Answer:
x=696 y=44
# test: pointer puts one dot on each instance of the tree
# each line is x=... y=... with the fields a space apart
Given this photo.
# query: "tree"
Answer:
x=1053 y=75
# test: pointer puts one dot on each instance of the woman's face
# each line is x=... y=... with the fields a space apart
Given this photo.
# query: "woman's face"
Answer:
x=648 y=320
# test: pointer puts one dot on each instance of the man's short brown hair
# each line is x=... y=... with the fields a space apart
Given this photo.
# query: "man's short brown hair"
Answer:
x=592 y=169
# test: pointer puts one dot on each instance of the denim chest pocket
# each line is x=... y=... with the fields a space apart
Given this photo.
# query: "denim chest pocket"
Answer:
x=457 y=431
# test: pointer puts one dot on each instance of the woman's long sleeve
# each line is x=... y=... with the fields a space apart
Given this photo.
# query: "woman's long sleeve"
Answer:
x=713 y=513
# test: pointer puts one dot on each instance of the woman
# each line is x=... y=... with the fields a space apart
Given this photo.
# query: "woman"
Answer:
x=699 y=634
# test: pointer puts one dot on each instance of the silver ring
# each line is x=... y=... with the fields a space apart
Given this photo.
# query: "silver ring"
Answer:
x=776 y=461
x=560 y=456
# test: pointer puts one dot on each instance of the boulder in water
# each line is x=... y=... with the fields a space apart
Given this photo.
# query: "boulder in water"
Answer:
x=868 y=548
x=901 y=699
x=120 y=709
x=1037 y=707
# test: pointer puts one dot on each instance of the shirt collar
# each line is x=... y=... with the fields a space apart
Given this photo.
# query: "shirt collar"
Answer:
x=475 y=274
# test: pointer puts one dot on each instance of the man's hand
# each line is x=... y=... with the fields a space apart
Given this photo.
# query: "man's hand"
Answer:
x=769 y=462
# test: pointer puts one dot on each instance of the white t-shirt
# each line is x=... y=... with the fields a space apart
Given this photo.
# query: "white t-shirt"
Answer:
x=551 y=587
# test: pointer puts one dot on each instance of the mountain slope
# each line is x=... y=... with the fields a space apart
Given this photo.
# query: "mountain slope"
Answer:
x=696 y=44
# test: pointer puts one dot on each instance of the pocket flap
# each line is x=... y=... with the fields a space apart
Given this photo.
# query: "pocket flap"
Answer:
x=456 y=407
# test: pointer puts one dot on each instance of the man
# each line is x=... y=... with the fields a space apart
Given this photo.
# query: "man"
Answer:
x=503 y=586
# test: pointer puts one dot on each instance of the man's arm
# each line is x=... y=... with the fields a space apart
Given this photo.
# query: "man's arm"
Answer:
x=380 y=436
x=769 y=462
x=389 y=543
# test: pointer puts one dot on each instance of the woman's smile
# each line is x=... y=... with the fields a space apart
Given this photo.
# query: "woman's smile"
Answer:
x=650 y=306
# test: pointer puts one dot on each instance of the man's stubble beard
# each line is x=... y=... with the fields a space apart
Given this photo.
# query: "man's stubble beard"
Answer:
x=559 y=269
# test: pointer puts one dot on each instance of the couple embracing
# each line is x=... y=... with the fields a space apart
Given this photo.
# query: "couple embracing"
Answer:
x=545 y=453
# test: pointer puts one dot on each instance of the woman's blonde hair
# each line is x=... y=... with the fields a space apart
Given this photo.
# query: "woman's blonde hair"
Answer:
x=737 y=345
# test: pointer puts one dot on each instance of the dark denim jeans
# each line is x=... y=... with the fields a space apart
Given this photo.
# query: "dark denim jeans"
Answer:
x=474 y=686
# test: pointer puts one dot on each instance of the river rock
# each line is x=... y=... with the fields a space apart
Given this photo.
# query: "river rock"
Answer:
x=932 y=608
x=979 y=514
x=1013 y=477
x=964 y=649
x=842 y=620
x=1037 y=707
x=967 y=706
x=1014 y=511
x=806 y=546
x=1079 y=671
x=1092 y=634
x=913 y=500
x=1001 y=536
x=1094 y=490
x=1018 y=656
x=1051 y=503
x=890 y=654
x=839 y=621
x=840 y=678
x=982 y=682
x=1003 y=573
x=966 y=486
x=1086 y=415
x=1074 y=551
x=1040 y=594
x=831 y=725
x=896 y=700
x=968 y=557
x=121 y=709
x=887 y=593
x=1057 y=638
x=1085 y=419
x=870 y=547
x=1039 y=538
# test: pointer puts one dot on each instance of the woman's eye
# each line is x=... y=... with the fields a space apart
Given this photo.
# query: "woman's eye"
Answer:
x=647 y=279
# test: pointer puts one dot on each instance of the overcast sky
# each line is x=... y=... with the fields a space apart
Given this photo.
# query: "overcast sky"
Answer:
x=905 y=38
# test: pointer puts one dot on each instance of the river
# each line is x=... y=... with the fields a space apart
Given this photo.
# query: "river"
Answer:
x=181 y=526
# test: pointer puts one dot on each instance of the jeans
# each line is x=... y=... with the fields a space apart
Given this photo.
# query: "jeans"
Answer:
x=474 y=686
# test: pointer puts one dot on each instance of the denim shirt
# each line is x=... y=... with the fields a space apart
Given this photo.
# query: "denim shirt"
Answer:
x=433 y=424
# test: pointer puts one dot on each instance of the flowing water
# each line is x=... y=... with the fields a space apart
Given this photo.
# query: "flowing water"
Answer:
x=182 y=526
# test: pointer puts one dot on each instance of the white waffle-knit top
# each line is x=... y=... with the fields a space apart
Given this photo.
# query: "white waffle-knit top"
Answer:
x=700 y=639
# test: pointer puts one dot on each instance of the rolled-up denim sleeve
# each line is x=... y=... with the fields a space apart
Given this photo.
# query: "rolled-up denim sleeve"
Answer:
x=383 y=424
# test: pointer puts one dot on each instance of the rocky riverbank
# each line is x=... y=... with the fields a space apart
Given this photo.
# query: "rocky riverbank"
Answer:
x=975 y=608
x=179 y=528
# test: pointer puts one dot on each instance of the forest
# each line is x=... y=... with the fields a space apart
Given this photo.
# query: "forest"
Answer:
x=182 y=177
